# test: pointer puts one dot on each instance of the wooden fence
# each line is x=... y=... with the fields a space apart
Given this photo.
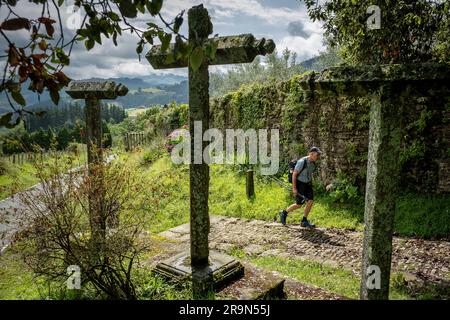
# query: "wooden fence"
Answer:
x=132 y=140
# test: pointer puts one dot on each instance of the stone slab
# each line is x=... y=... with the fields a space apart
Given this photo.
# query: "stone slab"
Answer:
x=178 y=268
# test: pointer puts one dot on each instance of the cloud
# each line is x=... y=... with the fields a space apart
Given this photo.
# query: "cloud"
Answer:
x=286 y=22
x=297 y=29
x=305 y=48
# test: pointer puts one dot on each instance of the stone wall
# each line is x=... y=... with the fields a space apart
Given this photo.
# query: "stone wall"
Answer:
x=329 y=111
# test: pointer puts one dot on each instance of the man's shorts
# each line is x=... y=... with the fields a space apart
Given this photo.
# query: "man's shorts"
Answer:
x=305 y=190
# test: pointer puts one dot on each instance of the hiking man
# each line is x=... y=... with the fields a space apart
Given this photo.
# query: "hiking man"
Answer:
x=302 y=186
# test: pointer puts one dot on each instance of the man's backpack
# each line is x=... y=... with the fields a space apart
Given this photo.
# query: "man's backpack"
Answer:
x=292 y=165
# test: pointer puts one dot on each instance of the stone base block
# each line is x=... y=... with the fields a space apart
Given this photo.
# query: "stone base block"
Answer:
x=224 y=268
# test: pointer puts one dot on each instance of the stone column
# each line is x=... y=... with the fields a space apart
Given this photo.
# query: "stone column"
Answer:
x=199 y=28
x=381 y=189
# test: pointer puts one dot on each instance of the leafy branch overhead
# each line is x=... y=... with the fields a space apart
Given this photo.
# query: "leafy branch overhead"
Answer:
x=43 y=58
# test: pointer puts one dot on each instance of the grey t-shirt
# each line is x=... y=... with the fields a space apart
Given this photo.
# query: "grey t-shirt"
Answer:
x=306 y=175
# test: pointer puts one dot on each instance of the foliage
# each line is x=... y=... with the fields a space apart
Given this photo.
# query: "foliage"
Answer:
x=155 y=151
x=67 y=226
x=344 y=190
x=274 y=68
x=48 y=52
x=410 y=31
x=54 y=117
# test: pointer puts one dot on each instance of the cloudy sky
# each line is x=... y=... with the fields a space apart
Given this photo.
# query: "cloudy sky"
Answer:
x=284 y=21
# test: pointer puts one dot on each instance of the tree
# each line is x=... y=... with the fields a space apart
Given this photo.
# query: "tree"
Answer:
x=63 y=138
x=48 y=51
x=275 y=68
x=410 y=31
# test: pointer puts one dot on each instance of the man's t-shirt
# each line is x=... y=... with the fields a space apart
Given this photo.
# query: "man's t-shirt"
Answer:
x=306 y=175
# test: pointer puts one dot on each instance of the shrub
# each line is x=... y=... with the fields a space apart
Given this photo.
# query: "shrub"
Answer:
x=344 y=190
x=87 y=220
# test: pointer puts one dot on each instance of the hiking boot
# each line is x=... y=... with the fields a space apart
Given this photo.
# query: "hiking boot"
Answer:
x=283 y=216
x=306 y=224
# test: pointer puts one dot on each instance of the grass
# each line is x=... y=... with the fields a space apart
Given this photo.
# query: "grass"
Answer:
x=337 y=280
x=167 y=195
x=16 y=178
x=423 y=216
x=416 y=215
x=16 y=281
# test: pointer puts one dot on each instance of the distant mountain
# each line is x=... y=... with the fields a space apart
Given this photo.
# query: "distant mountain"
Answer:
x=309 y=64
x=141 y=93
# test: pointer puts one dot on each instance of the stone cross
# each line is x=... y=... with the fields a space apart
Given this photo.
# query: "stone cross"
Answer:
x=92 y=92
x=230 y=50
x=389 y=87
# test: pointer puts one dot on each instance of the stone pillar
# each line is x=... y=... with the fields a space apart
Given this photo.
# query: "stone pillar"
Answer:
x=381 y=189
x=199 y=28
x=93 y=130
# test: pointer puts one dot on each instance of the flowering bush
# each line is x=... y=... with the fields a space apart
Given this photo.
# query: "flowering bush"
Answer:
x=176 y=137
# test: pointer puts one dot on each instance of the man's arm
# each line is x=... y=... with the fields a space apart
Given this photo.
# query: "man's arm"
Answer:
x=294 y=182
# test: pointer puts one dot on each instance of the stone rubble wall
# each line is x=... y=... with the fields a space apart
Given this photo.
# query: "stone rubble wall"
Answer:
x=338 y=122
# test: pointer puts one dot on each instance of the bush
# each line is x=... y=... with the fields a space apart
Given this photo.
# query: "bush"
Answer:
x=344 y=190
x=87 y=220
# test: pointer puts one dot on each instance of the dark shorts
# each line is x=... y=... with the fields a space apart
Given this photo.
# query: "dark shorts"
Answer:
x=306 y=190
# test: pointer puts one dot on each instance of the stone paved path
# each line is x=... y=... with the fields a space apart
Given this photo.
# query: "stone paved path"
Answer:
x=425 y=259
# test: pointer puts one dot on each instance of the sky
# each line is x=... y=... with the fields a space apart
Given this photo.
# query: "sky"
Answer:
x=284 y=21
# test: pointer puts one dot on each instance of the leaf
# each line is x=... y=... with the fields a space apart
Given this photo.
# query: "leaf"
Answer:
x=196 y=58
x=148 y=36
x=113 y=16
x=154 y=6
x=165 y=40
x=50 y=30
x=17 y=96
x=62 y=78
x=89 y=43
x=6 y=118
x=140 y=6
x=42 y=45
x=115 y=38
x=54 y=94
x=128 y=9
x=16 y=24
x=139 y=48
x=13 y=56
x=23 y=74
x=177 y=23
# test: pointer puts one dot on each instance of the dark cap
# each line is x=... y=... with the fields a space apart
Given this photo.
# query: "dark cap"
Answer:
x=315 y=149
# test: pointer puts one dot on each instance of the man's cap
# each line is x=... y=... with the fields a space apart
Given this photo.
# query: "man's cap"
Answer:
x=315 y=149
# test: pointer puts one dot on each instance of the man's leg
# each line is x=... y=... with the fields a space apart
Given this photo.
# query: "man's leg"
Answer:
x=293 y=207
x=308 y=207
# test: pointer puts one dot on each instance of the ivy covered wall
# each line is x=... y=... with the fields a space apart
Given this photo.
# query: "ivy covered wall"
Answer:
x=338 y=120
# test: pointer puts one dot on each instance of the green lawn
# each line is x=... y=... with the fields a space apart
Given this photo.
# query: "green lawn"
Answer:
x=16 y=178
x=337 y=280
x=19 y=177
